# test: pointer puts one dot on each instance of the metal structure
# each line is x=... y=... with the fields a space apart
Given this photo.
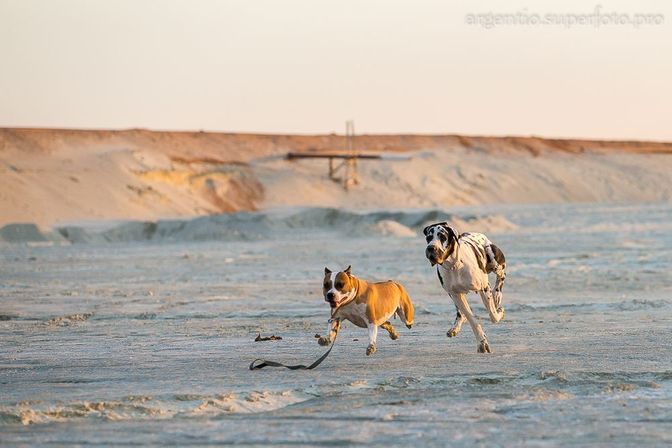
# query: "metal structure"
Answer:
x=349 y=164
x=344 y=162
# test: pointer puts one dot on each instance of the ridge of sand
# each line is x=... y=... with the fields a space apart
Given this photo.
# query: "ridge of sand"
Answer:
x=52 y=176
x=242 y=147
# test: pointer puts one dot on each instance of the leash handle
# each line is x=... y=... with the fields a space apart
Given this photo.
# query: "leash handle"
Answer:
x=265 y=363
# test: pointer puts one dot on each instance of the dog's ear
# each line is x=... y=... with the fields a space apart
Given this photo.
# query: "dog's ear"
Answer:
x=452 y=233
x=454 y=241
x=326 y=271
x=348 y=270
x=425 y=231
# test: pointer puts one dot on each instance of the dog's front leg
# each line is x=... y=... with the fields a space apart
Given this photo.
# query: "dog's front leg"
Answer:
x=457 y=325
x=373 y=335
x=332 y=331
x=462 y=305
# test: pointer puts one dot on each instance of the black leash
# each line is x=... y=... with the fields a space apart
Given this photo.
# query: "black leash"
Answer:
x=265 y=363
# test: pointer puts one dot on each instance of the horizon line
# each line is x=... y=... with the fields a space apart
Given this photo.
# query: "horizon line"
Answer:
x=320 y=134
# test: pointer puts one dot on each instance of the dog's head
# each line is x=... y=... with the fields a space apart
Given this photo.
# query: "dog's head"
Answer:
x=338 y=286
x=441 y=242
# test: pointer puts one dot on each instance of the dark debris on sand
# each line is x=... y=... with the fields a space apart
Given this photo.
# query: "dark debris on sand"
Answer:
x=260 y=338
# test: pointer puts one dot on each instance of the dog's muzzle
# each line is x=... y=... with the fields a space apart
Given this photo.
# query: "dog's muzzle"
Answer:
x=331 y=298
x=434 y=254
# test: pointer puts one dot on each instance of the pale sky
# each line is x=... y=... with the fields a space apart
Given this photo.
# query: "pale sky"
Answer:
x=306 y=66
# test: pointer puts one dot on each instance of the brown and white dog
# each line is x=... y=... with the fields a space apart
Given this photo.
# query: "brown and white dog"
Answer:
x=367 y=305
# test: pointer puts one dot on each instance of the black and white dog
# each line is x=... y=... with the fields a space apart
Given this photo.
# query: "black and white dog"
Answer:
x=464 y=262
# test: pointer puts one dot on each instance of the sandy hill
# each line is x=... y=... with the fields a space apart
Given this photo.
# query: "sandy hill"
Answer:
x=50 y=176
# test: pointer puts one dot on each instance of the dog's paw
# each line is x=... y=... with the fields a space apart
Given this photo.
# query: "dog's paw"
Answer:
x=370 y=350
x=501 y=310
x=409 y=326
x=484 y=347
x=452 y=332
x=394 y=335
x=323 y=341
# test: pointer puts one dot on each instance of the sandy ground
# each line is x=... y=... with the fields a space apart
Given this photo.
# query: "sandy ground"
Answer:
x=141 y=332
x=149 y=342
x=51 y=177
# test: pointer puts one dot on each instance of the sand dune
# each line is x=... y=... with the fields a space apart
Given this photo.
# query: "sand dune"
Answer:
x=255 y=226
x=53 y=177
x=465 y=176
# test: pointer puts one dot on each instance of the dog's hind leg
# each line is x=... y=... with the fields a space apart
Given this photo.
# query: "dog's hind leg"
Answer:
x=496 y=314
x=390 y=329
x=497 y=264
x=405 y=310
x=462 y=305
x=499 y=285
x=457 y=325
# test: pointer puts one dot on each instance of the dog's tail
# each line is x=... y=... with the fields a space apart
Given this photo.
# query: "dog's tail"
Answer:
x=405 y=311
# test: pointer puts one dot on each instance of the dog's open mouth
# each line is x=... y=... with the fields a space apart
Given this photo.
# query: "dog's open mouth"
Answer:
x=333 y=303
